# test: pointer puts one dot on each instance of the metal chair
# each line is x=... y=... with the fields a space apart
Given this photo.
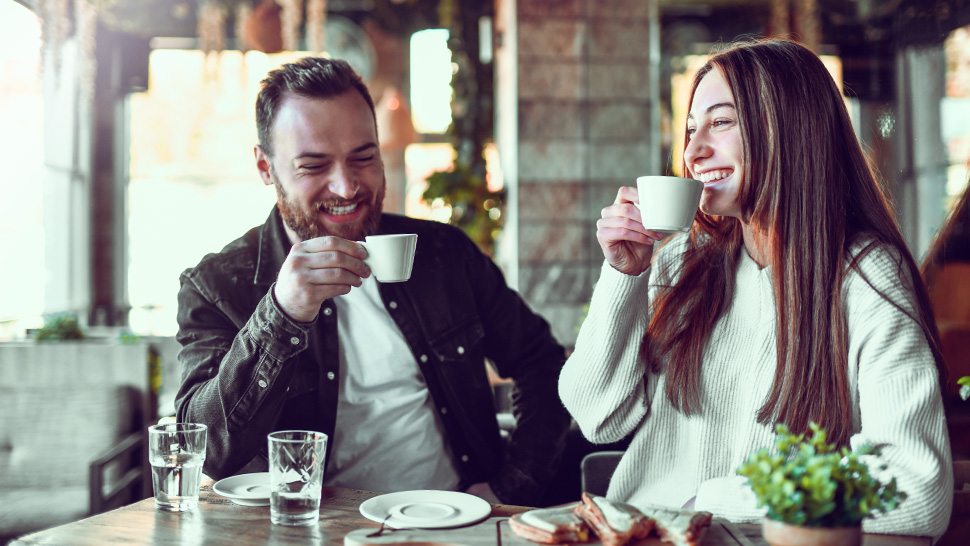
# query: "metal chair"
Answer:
x=596 y=470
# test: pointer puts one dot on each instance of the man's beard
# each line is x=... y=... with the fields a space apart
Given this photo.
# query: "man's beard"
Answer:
x=305 y=221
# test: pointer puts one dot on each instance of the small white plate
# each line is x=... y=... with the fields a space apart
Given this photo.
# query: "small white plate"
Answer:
x=245 y=489
x=426 y=509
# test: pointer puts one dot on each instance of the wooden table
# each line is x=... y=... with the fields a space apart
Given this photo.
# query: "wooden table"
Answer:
x=218 y=521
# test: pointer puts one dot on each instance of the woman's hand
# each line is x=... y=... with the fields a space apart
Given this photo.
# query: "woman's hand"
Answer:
x=626 y=244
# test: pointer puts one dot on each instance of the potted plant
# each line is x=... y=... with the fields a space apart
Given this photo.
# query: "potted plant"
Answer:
x=815 y=493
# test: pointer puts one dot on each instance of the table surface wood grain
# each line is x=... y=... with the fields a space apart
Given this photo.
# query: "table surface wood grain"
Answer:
x=218 y=521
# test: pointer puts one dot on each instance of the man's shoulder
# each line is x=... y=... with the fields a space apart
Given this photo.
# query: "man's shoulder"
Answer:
x=236 y=257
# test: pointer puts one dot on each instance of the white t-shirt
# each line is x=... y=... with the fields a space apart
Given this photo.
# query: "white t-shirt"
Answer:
x=388 y=436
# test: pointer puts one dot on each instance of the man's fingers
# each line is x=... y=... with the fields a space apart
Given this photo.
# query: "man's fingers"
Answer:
x=331 y=276
x=330 y=243
x=328 y=259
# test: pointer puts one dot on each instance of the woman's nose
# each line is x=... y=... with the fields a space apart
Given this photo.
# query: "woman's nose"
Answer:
x=697 y=149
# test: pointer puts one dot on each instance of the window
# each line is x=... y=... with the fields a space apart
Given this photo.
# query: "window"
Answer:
x=22 y=186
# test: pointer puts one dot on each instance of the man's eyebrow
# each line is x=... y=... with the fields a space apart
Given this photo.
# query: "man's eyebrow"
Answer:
x=318 y=155
x=713 y=107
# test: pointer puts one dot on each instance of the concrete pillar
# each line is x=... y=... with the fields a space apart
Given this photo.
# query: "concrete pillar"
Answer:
x=574 y=122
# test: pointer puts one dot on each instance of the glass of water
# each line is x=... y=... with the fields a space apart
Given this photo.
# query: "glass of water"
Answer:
x=176 y=452
x=296 y=459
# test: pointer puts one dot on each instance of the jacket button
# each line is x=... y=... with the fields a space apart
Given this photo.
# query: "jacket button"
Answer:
x=261 y=383
x=424 y=358
x=327 y=311
x=444 y=411
x=464 y=458
x=295 y=340
x=392 y=305
x=331 y=375
x=461 y=350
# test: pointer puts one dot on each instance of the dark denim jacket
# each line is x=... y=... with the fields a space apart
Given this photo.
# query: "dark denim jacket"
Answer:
x=248 y=369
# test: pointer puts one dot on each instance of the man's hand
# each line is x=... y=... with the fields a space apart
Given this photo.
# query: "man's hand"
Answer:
x=317 y=270
x=484 y=491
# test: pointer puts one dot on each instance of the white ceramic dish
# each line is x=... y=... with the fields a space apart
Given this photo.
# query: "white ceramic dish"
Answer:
x=245 y=489
x=426 y=509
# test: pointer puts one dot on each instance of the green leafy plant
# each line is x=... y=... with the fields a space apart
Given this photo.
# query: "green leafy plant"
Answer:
x=964 y=383
x=59 y=327
x=808 y=482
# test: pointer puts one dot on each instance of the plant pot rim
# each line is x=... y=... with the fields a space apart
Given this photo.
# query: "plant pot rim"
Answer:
x=780 y=533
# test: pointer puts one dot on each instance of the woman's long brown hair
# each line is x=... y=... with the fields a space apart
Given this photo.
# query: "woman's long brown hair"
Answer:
x=810 y=189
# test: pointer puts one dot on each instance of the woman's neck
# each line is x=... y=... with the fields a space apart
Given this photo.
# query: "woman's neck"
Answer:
x=755 y=244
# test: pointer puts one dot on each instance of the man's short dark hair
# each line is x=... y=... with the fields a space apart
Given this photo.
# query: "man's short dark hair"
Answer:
x=312 y=77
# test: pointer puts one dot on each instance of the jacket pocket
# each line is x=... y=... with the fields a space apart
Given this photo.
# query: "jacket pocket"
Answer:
x=457 y=343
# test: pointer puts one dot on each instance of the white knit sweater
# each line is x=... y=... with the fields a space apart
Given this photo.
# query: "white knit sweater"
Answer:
x=672 y=458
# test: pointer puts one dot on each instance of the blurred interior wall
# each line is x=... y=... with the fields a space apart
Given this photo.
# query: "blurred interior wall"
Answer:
x=574 y=122
x=921 y=163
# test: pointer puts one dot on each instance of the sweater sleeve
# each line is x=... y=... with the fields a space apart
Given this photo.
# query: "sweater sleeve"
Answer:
x=604 y=383
x=900 y=405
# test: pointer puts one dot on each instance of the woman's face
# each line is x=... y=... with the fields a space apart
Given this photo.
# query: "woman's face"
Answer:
x=714 y=155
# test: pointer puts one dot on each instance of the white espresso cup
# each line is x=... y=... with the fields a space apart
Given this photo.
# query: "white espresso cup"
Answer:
x=390 y=257
x=668 y=203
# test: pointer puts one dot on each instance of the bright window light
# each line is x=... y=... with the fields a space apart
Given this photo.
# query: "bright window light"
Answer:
x=431 y=72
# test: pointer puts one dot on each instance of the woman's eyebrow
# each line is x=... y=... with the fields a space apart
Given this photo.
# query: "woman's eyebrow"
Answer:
x=713 y=107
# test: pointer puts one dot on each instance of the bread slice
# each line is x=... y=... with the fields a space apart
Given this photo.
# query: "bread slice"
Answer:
x=616 y=523
x=550 y=525
x=678 y=527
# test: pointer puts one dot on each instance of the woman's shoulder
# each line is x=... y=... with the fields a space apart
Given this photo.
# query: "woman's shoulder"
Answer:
x=877 y=269
x=870 y=256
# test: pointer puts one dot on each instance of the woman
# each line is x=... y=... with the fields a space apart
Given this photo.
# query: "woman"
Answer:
x=792 y=299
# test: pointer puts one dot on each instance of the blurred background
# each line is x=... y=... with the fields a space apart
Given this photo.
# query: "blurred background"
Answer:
x=128 y=128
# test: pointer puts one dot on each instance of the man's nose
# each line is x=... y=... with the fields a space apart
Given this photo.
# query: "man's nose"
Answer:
x=342 y=182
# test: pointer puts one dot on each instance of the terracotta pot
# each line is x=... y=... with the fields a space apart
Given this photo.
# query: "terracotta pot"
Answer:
x=777 y=533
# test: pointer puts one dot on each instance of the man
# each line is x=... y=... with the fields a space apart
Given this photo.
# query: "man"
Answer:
x=287 y=329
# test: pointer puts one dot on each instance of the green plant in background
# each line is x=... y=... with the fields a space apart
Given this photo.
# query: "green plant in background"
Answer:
x=964 y=383
x=808 y=482
x=59 y=327
x=474 y=208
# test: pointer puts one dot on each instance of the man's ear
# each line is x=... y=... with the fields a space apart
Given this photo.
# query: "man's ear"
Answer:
x=263 y=165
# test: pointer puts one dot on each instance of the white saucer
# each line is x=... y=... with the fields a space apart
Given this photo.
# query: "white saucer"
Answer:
x=426 y=509
x=245 y=489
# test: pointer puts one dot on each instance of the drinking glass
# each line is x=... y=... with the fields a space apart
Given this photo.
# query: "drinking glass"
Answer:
x=296 y=476
x=176 y=452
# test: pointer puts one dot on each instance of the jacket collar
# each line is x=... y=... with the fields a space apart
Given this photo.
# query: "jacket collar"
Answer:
x=272 y=249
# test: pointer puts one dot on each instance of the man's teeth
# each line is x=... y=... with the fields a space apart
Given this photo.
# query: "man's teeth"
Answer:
x=711 y=176
x=338 y=211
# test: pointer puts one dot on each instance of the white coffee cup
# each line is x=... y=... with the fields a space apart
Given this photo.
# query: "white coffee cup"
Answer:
x=668 y=203
x=390 y=257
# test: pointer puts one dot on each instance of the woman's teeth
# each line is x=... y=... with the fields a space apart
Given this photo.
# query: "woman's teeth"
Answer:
x=711 y=176
x=339 y=211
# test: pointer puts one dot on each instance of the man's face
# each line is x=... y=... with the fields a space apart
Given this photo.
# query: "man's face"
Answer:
x=326 y=166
